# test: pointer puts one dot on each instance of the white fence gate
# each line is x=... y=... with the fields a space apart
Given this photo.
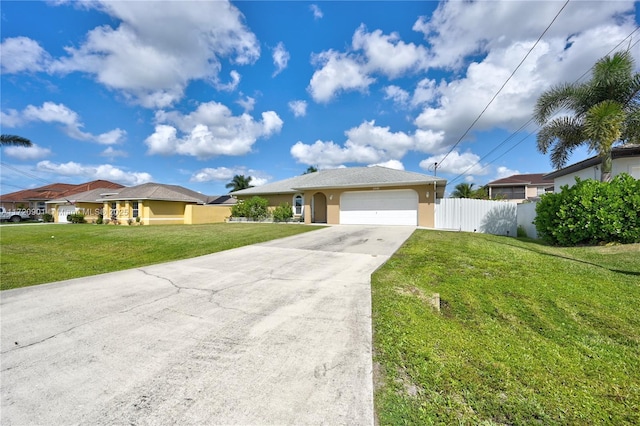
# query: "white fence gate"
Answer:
x=486 y=216
x=526 y=214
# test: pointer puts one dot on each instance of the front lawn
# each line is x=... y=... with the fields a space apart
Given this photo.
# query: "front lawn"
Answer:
x=526 y=334
x=44 y=253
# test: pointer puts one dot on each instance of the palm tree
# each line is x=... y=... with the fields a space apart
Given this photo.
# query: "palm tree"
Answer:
x=239 y=182
x=311 y=169
x=13 y=140
x=463 y=190
x=605 y=110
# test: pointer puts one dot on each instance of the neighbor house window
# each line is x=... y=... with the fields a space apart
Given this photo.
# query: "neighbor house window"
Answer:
x=135 y=208
x=114 y=211
x=298 y=202
x=508 y=192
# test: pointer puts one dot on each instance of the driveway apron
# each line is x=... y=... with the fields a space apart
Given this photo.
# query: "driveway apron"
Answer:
x=273 y=333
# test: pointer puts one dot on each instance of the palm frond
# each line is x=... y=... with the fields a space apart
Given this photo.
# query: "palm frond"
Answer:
x=603 y=125
x=553 y=100
x=8 y=140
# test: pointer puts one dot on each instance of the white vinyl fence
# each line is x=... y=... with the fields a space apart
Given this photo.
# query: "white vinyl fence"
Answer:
x=486 y=216
x=526 y=214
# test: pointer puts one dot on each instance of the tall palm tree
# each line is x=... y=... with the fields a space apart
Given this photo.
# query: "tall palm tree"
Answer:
x=463 y=190
x=311 y=169
x=239 y=182
x=603 y=111
x=13 y=140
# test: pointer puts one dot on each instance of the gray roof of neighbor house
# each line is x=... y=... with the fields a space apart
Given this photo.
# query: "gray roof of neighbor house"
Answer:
x=535 y=179
x=628 y=150
x=353 y=177
x=157 y=191
x=91 y=196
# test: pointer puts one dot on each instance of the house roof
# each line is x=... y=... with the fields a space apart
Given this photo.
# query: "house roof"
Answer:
x=56 y=190
x=531 y=179
x=157 y=191
x=628 y=150
x=91 y=196
x=353 y=177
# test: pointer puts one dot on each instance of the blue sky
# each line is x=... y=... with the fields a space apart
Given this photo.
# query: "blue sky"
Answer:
x=192 y=93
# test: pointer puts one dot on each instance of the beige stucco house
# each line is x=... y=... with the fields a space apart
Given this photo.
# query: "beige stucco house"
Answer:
x=358 y=195
x=520 y=188
x=152 y=203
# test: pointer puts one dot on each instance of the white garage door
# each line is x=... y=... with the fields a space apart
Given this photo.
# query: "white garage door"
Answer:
x=64 y=211
x=392 y=207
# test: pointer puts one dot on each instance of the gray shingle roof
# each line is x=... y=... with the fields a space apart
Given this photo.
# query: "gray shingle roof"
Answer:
x=158 y=191
x=91 y=196
x=352 y=177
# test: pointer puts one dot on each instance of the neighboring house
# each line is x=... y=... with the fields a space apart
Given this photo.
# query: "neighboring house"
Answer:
x=34 y=200
x=520 y=188
x=625 y=159
x=358 y=195
x=153 y=203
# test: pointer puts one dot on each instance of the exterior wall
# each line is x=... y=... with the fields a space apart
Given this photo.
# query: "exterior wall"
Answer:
x=164 y=212
x=486 y=216
x=629 y=165
x=197 y=214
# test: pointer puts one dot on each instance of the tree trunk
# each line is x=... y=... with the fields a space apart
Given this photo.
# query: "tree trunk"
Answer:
x=605 y=168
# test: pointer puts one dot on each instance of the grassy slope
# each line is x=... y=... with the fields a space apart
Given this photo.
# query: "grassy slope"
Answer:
x=29 y=255
x=528 y=334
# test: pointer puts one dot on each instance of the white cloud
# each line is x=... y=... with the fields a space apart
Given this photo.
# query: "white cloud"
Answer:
x=338 y=73
x=317 y=13
x=280 y=58
x=154 y=52
x=455 y=163
x=209 y=131
x=372 y=53
x=367 y=144
x=113 y=153
x=227 y=87
x=299 y=108
x=22 y=54
x=503 y=172
x=247 y=103
x=225 y=174
x=397 y=94
x=33 y=152
x=50 y=112
x=391 y=164
x=103 y=171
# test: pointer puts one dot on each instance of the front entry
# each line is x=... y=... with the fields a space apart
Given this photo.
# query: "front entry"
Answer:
x=319 y=208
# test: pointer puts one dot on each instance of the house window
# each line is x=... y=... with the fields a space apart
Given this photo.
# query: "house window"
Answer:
x=135 y=208
x=114 y=211
x=541 y=190
x=508 y=192
x=298 y=202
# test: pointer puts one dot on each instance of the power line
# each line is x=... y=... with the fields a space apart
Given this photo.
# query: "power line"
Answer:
x=505 y=83
x=29 y=175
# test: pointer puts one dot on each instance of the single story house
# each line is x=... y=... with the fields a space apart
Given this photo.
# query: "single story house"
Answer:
x=152 y=203
x=35 y=199
x=520 y=188
x=358 y=195
x=624 y=159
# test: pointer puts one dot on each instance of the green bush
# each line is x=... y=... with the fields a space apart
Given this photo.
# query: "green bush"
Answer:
x=255 y=208
x=47 y=217
x=76 y=218
x=100 y=219
x=283 y=213
x=591 y=212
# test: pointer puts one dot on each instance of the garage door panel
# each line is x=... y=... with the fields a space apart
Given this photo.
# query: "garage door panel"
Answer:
x=393 y=207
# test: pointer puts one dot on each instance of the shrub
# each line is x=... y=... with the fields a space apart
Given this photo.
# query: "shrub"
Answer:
x=130 y=221
x=591 y=212
x=137 y=219
x=283 y=213
x=76 y=218
x=255 y=208
x=47 y=217
x=100 y=219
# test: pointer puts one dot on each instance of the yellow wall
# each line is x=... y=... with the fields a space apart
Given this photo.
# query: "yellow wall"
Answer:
x=197 y=214
x=164 y=212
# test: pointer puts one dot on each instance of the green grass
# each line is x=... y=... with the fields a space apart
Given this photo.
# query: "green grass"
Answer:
x=526 y=334
x=45 y=253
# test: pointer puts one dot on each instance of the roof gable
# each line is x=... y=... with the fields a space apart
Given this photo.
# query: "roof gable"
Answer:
x=157 y=191
x=532 y=179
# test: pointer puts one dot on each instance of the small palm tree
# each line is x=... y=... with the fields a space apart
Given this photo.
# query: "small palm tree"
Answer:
x=239 y=182
x=311 y=169
x=605 y=110
x=463 y=190
x=13 y=140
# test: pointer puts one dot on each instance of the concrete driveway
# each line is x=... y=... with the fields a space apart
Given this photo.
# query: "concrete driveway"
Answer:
x=273 y=333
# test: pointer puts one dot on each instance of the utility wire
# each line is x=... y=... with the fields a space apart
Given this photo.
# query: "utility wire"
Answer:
x=505 y=83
